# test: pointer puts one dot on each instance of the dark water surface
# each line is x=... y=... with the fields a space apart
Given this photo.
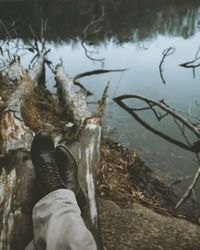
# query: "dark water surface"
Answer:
x=133 y=35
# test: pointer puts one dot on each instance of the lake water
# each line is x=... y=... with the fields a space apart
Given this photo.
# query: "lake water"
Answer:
x=133 y=35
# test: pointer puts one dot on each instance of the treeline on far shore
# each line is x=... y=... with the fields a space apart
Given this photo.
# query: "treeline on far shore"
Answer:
x=124 y=21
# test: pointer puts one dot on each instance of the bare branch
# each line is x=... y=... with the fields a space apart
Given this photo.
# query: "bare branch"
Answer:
x=182 y=130
x=191 y=186
x=97 y=72
x=193 y=64
x=168 y=111
x=103 y=101
x=87 y=92
x=166 y=52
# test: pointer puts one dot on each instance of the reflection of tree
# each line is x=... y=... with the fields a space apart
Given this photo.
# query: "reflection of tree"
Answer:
x=127 y=20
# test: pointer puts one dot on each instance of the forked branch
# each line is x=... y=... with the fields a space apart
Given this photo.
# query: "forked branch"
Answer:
x=180 y=122
x=151 y=105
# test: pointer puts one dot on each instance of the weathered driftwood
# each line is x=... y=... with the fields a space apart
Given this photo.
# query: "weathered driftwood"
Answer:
x=86 y=146
x=17 y=193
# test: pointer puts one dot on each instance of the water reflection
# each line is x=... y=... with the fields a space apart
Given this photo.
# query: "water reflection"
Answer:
x=125 y=21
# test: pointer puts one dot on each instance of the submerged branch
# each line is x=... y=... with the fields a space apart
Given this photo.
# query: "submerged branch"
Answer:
x=150 y=128
x=191 y=187
x=166 y=52
x=191 y=64
x=97 y=72
x=180 y=122
x=162 y=105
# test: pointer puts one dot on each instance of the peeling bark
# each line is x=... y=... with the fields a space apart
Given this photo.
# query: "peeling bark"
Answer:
x=86 y=148
x=17 y=187
x=15 y=134
x=74 y=104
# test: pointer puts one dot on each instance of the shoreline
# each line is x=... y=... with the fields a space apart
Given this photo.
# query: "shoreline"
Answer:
x=124 y=179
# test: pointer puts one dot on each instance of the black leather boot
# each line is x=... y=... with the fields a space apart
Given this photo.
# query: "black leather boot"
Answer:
x=68 y=169
x=43 y=158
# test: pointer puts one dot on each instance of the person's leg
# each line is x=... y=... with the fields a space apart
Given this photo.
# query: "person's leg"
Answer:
x=57 y=223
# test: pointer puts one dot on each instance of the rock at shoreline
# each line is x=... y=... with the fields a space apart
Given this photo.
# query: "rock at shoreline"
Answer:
x=140 y=228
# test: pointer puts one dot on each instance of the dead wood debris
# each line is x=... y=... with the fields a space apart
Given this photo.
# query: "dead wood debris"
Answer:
x=114 y=183
x=41 y=111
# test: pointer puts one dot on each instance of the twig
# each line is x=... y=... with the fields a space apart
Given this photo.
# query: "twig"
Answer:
x=191 y=186
x=87 y=92
x=166 y=52
x=191 y=64
x=103 y=101
x=182 y=130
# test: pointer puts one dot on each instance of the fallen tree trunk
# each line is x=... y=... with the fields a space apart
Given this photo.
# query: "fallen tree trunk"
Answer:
x=85 y=146
x=17 y=193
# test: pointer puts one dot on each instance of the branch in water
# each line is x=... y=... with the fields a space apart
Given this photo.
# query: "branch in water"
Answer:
x=191 y=187
x=166 y=52
x=193 y=64
x=180 y=121
x=97 y=72
x=151 y=105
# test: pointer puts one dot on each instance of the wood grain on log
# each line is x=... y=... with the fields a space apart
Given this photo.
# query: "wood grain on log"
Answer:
x=74 y=104
x=15 y=134
x=17 y=193
x=86 y=148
